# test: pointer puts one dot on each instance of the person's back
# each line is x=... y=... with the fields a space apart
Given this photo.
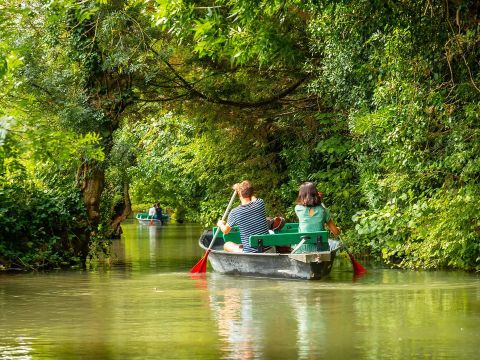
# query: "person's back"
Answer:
x=311 y=218
x=151 y=211
x=158 y=212
x=312 y=215
x=250 y=217
x=251 y=220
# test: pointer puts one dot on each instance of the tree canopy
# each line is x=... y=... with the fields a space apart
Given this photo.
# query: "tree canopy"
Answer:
x=105 y=103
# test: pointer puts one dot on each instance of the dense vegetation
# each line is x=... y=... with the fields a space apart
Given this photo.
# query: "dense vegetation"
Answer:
x=109 y=103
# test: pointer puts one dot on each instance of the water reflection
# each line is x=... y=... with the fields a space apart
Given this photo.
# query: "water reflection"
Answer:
x=311 y=324
x=258 y=318
x=157 y=248
x=152 y=237
x=410 y=314
x=18 y=348
x=233 y=310
x=149 y=307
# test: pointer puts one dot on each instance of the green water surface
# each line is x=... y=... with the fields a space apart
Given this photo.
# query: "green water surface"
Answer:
x=147 y=306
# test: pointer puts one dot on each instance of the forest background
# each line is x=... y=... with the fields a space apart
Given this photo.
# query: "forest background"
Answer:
x=108 y=103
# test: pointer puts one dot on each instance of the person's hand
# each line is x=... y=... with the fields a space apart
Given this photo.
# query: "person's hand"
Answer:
x=235 y=187
x=221 y=223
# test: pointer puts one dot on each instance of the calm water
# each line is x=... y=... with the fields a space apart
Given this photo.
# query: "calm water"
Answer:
x=146 y=306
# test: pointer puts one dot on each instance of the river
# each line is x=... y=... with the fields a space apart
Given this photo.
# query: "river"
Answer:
x=146 y=306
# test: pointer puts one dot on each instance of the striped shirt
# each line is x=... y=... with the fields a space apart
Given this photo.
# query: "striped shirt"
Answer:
x=251 y=220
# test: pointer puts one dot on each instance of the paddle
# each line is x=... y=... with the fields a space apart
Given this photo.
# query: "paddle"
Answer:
x=298 y=246
x=201 y=266
x=358 y=269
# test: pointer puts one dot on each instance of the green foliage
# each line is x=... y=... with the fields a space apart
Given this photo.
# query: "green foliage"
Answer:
x=159 y=173
x=38 y=230
x=38 y=226
x=417 y=140
x=181 y=99
x=41 y=215
x=395 y=129
x=268 y=33
x=427 y=232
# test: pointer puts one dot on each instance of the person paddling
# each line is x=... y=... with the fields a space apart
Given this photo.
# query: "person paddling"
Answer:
x=250 y=216
x=158 y=213
x=312 y=214
x=151 y=214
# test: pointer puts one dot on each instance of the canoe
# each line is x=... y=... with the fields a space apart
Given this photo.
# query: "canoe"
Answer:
x=309 y=266
x=144 y=219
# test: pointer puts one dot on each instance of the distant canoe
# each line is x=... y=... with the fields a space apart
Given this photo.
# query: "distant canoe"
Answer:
x=144 y=219
x=309 y=266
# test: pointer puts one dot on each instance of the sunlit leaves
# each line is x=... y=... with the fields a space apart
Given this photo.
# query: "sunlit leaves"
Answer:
x=386 y=122
x=237 y=32
x=416 y=160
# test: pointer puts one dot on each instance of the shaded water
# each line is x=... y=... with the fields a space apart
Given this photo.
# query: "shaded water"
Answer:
x=146 y=306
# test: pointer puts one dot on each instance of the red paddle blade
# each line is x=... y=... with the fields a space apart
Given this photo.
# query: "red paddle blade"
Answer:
x=358 y=269
x=201 y=266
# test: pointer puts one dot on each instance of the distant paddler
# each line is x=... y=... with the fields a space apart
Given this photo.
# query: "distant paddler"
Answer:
x=151 y=213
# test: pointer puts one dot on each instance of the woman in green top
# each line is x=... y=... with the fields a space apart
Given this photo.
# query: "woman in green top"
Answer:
x=312 y=215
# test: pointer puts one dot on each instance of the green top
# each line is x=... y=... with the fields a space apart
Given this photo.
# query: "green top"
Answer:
x=311 y=219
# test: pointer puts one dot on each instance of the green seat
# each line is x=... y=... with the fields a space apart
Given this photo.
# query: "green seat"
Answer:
x=233 y=235
x=319 y=238
x=287 y=236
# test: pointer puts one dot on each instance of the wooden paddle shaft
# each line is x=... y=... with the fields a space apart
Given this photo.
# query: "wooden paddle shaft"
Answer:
x=232 y=199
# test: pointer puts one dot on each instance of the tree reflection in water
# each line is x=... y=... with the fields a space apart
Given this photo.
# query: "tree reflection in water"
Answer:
x=232 y=308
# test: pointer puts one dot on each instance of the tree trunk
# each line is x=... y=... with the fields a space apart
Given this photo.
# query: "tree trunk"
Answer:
x=91 y=180
x=122 y=210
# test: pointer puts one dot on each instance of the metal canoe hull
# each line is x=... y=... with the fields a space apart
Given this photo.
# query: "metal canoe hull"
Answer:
x=311 y=266
x=149 y=222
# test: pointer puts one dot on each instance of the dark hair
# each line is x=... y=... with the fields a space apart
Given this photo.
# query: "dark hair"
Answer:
x=245 y=189
x=308 y=195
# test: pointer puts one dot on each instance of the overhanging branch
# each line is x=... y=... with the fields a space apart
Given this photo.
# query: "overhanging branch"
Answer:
x=217 y=100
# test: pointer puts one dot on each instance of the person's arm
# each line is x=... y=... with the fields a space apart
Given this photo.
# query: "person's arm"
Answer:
x=223 y=226
x=333 y=228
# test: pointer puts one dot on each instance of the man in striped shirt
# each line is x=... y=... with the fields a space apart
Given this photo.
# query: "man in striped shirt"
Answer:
x=250 y=216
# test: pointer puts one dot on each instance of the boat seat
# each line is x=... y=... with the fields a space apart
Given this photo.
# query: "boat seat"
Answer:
x=287 y=236
x=319 y=238
x=234 y=234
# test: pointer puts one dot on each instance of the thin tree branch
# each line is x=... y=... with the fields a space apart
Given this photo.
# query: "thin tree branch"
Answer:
x=216 y=100
x=162 y=99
